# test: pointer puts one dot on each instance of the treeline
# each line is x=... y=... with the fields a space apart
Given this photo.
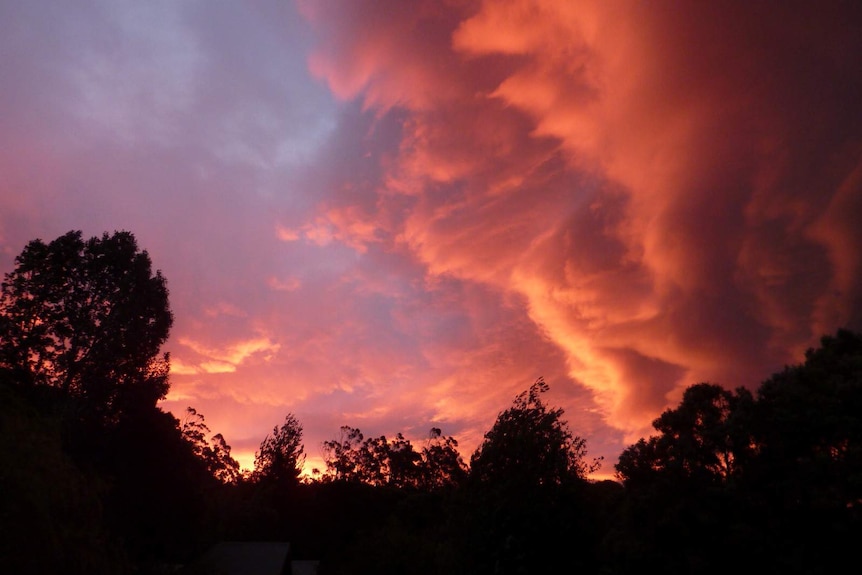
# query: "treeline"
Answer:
x=97 y=479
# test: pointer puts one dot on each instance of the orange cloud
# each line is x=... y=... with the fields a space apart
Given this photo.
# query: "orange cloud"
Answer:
x=224 y=359
x=286 y=234
x=625 y=169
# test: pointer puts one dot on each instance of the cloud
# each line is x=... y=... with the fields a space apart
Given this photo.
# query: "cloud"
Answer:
x=397 y=215
x=653 y=181
x=286 y=234
x=234 y=353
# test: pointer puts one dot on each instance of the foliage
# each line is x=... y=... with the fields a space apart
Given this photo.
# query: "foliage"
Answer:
x=441 y=463
x=395 y=463
x=531 y=445
x=682 y=485
x=807 y=480
x=707 y=438
x=526 y=508
x=281 y=454
x=98 y=479
x=88 y=317
x=775 y=476
x=810 y=425
x=112 y=484
x=162 y=497
x=341 y=455
x=215 y=453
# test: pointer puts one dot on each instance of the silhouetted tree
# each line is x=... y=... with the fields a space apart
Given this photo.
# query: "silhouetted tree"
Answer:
x=809 y=426
x=402 y=463
x=416 y=534
x=683 y=485
x=441 y=465
x=281 y=454
x=375 y=461
x=215 y=453
x=771 y=479
x=393 y=463
x=89 y=318
x=394 y=503
x=808 y=479
x=81 y=326
x=531 y=445
x=526 y=509
x=162 y=495
x=708 y=438
x=342 y=456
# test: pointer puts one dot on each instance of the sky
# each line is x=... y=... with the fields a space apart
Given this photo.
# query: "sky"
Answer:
x=396 y=215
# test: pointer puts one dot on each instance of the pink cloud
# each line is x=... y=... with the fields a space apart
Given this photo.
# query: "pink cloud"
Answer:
x=394 y=215
x=633 y=186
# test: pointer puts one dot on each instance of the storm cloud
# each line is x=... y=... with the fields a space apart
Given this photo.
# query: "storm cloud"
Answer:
x=397 y=215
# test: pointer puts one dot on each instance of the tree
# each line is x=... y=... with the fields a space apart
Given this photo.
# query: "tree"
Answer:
x=441 y=464
x=531 y=445
x=683 y=486
x=215 y=453
x=809 y=426
x=377 y=461
x=282 y=454
x=706 y=438
x=373 y=460
x=341 y=455
x=161 y=499
x=773 y=476
x=88 y=317
x=808 y=474
x=400 y=462
x=528 y=478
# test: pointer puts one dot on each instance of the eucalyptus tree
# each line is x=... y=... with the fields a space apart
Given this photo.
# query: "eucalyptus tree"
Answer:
x=281 y=455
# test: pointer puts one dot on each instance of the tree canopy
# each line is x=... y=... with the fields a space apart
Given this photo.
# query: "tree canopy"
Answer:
x=531 y=445
x=215 y=453
x=281 y=454
x=81 y=327
x=771 y=476
x=379 y=461
x=88 y=317
x=770 y=479
x=706 y=437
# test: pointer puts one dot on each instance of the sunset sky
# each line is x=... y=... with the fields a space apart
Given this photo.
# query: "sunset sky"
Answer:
x=397 y=215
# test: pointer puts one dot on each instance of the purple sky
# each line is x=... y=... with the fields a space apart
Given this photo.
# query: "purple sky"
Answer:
x=396 y=215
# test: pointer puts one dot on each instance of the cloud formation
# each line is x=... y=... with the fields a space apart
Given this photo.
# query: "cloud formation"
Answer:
x=654 y=180
x=393 y=215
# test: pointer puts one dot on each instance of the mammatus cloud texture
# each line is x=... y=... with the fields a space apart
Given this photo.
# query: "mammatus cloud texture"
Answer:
x=397 y=215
